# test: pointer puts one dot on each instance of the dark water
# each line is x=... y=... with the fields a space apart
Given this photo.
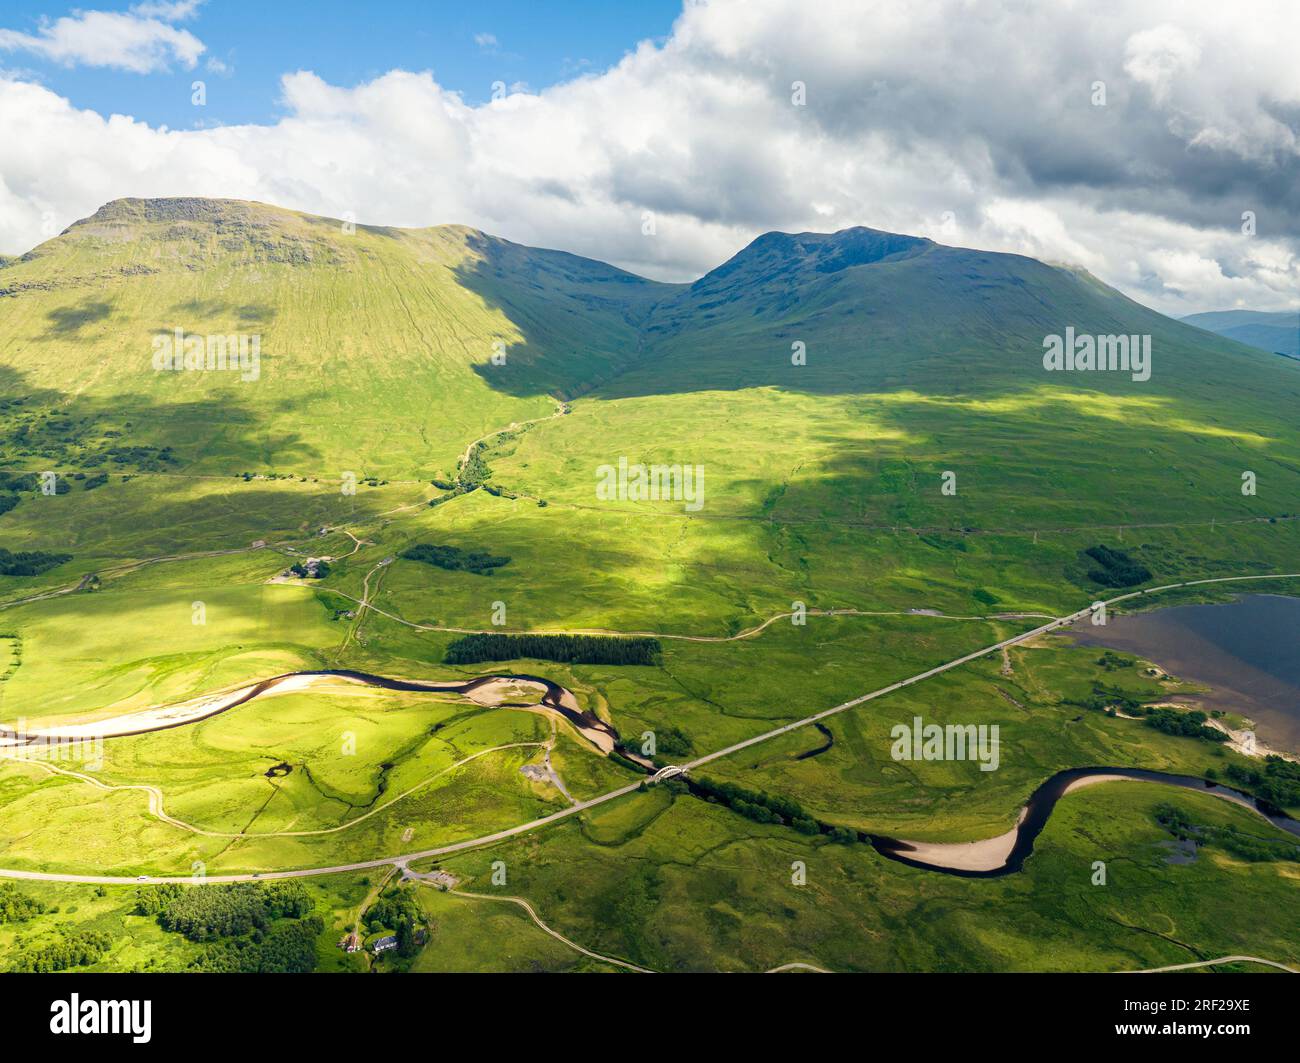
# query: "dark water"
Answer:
x=1246 y=651
x=1043 y=800
x=551 y=699
x=830 y=741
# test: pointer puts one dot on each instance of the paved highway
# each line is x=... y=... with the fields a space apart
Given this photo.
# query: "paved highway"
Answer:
x=581 y=806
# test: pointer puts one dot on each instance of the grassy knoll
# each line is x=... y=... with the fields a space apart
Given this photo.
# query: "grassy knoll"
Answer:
x=111 y=832
x=470 y=935
x=349 y=753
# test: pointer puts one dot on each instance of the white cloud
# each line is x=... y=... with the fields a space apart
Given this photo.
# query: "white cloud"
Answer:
x=485 y=40
x=970 y=125
x=175 y=11
x=141 y=40
x=1156 y=57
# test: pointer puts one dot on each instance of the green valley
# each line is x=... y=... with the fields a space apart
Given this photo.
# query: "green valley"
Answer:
x=463 y=726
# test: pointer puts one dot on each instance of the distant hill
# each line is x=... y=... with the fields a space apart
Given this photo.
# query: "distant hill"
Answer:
x=1276 y=332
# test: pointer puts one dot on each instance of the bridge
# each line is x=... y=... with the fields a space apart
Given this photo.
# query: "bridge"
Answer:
x=667 y=773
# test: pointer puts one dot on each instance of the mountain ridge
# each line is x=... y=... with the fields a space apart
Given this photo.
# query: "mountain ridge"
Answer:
x=436 y=335
x=1277 y=332
x=849 y=246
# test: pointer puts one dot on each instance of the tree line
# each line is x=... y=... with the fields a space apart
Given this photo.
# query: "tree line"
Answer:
x=1278 y=782
x=75 y=948
x=1191 y=724
x=763 y=807
x=1115 y=568
x=29 y=562
x=566 y=649
x=286 y=948
x=204 y=913
x=454 y=559
x=248 y=927
x=16 y=906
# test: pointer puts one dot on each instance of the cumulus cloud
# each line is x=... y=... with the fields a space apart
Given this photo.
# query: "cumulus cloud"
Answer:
x=140 y=40
x=973 y=124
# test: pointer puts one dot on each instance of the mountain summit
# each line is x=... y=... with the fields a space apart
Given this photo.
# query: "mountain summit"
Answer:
x=372 y=334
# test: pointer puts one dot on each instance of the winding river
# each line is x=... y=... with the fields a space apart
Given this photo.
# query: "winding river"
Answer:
x=1007 y=853
x=554 y=698
x=989 y=858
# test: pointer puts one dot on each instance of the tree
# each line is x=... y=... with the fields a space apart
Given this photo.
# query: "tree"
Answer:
x=406 y=939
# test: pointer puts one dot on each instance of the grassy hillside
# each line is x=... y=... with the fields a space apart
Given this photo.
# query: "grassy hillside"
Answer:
x=823 y=482
x=369 y=339
x=473 y=389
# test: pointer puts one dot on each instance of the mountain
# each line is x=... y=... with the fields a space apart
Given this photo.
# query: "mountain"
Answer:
x=877 y=310
x=872 y=434
x=371 y=340
x=366 y=329
x=1276 y=332
x=381 y=356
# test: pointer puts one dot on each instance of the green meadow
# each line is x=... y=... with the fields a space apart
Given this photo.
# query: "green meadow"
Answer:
x=693 y=887
x=920 y=470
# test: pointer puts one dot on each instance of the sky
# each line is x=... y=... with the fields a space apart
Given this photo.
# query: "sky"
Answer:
x=1155 y=143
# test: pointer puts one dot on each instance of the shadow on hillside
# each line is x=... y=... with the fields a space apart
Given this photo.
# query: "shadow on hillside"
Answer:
x=49 y=429
x=131 y=492
x=245 y=314
x=952 y=322
x=70 y=319
x=576 y=323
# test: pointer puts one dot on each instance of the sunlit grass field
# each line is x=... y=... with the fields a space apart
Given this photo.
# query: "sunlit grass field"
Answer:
x=823 y=489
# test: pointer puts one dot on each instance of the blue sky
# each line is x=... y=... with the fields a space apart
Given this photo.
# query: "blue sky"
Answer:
x=468 y=46
x=980 y=125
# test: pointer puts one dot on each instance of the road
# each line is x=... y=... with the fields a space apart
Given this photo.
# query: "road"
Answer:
x=131 y=566
x=1212 y=963
x=364 y=603
x=546 y=929
x=157 y=809
x=622 y=791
